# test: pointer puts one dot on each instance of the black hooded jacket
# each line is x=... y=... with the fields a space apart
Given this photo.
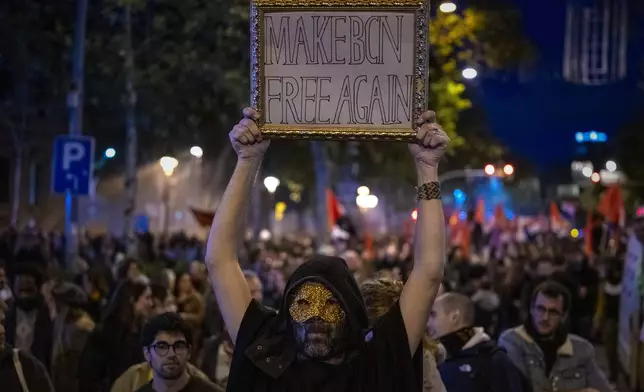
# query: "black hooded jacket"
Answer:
x=377 y=360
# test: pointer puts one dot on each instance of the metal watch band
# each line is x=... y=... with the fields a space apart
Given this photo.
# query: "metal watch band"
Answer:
x=429 y=191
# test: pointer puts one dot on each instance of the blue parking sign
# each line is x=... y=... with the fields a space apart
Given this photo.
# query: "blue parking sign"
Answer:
x=73 y=165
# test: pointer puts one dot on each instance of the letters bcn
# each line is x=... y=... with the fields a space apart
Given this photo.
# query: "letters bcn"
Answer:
x=338 y=68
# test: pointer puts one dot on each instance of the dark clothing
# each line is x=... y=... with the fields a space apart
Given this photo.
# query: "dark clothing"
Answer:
x=43 y=334
x=264 y=359
x=195 y=384
x=34 y=371
x=548 y=345
x=106 y=356
x=483 y=367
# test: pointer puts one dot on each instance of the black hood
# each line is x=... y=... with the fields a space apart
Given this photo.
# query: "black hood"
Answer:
x=273 y=350
x=334 y=274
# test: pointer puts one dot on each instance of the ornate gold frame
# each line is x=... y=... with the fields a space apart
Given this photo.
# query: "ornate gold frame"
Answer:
x=420 y=9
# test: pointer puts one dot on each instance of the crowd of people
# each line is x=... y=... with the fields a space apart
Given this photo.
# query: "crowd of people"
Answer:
x=291 y=315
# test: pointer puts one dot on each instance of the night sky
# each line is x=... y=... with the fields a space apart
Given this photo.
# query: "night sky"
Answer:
x=537 y=115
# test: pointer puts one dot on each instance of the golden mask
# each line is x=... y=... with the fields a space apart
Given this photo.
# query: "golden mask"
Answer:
x=315 y=300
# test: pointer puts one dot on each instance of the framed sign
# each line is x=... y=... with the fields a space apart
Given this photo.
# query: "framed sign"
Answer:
x=339 y=69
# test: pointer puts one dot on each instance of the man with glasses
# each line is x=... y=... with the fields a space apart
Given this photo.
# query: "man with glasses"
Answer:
x=166 y=346
x=544 y=351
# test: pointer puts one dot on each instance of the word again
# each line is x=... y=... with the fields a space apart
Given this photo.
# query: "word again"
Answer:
x=360 y=99
x=315 y=39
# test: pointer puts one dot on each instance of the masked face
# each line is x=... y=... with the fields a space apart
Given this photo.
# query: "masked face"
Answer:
x=318 y=322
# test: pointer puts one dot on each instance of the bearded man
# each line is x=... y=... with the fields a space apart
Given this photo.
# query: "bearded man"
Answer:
x=319 y=339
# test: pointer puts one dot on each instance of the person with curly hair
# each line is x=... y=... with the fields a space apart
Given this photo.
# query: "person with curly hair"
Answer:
x=379 y=295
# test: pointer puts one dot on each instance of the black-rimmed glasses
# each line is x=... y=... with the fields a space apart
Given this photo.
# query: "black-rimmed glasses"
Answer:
x=163 y=348
x=549 y=312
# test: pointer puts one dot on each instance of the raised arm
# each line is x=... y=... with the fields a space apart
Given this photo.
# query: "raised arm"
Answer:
x=226 y=277
x=420 y=290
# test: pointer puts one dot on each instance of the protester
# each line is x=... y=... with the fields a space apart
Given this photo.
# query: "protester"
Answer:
x=5 y=291
x=72 y=327
x=474 y=362
x=317 y=341
x=19 y=370
x=166 y=343
x=544 y=351
x=379 y=295
x=114 y=346
x=29 y=326
x=607 y=316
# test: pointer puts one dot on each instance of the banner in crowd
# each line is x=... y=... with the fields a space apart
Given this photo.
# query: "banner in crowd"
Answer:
x=630 y=302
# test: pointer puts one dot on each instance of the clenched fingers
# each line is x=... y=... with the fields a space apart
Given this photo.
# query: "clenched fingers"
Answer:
x=251 y=113
x=431 y=135
x=427 y=117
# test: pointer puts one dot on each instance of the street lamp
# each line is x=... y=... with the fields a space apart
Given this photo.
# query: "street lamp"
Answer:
x=110 y=153
x=587 y=171
x=447 y=7
x=168 y=164
x=271 y=183
x=196 y=151
x=367 y=202
x=470 y=73
x=611 y=166
x=508 y=169
x=363 y=191
x=595 y=177
x=489 y=169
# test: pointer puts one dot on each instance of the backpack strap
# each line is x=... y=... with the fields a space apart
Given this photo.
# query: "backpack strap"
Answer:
x=18 y=366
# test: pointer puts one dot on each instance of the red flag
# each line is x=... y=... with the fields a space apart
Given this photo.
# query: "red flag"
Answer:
x=203 y=217
x=479 y=214
x=500 y=219
x=555 y=214
x=333 y=208
x=611 y=204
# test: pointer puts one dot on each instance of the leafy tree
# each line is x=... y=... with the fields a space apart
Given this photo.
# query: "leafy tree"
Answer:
x=33 y=79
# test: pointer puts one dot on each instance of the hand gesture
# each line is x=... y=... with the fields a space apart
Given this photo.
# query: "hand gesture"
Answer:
x=431 y=142
x=246 y=137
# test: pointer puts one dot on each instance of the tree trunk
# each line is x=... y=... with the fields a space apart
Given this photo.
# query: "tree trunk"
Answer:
x=17 y=181
x=130 y=138
x=322 y=176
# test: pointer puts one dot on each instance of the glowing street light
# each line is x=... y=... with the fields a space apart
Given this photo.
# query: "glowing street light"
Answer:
x=595 y=177
x=587 y=171
x=611 y=166
x=196 y=151
x=489 y=169
x=447 y=7
x=363 y=191
x=168 y=164
x=508 y=169
x=367 y=202
x=110 y=153
x=470 y=73
x=414 y=215
x=271 y=183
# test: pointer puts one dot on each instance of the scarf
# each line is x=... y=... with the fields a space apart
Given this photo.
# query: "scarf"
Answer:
x=455 y=341
x=548 y=344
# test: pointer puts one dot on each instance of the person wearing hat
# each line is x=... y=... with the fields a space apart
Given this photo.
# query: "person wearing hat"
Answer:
x=72 y=326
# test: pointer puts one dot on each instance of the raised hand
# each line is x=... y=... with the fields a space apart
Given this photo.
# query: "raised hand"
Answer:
x=247 y=139
x=431 y=142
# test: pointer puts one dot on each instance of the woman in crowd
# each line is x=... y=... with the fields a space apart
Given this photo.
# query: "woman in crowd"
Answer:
x=114 y=346
x=191 y=306
x=379 y=295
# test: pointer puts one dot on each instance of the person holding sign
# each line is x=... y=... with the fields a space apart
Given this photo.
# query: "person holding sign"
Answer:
x=319 y=339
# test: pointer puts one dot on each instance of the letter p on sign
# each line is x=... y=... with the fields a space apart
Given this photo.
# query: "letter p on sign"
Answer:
x=72 y=152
